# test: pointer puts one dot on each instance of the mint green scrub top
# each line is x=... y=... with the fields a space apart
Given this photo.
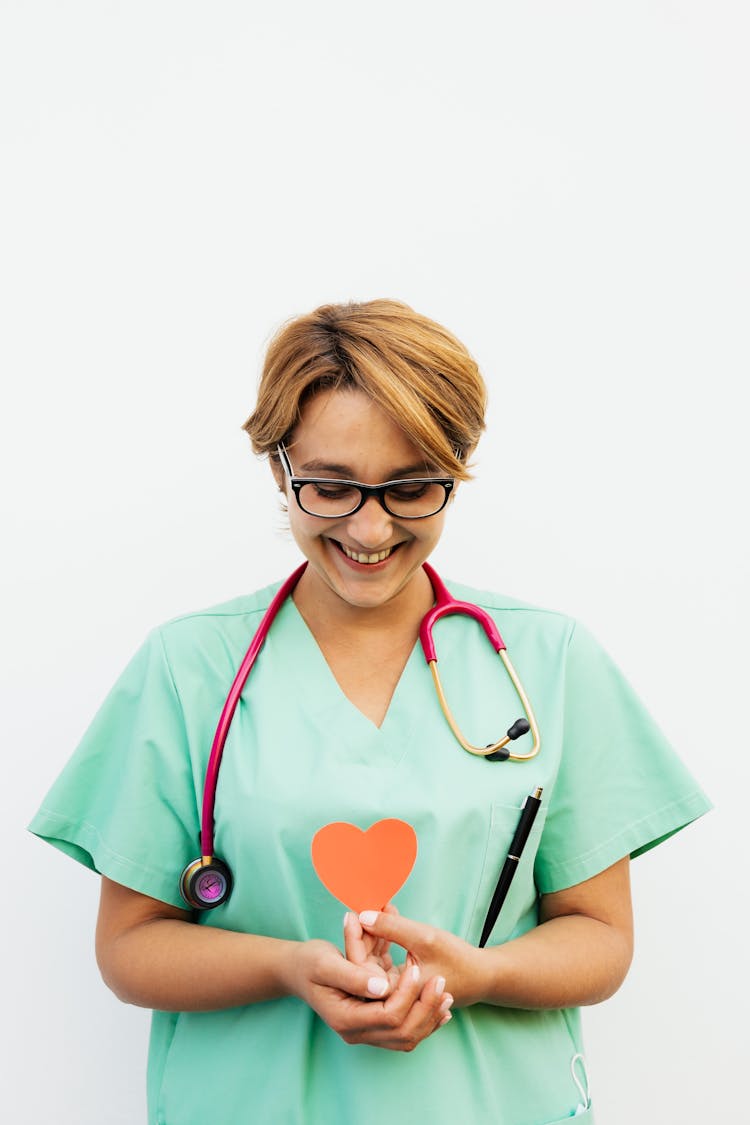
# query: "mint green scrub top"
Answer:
x=300 y=755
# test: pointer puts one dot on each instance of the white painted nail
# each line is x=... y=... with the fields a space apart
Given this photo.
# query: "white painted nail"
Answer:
x=377 y=986
x=367 y=917
x=440 y=985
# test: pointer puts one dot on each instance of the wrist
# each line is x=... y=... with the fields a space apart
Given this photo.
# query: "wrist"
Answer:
x=481 y=977
x=290 y=971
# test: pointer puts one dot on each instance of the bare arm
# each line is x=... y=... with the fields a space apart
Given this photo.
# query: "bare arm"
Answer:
x=579 y=954
x=156 y=956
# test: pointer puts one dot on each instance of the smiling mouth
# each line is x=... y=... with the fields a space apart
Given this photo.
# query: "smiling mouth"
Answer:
x=366 y=559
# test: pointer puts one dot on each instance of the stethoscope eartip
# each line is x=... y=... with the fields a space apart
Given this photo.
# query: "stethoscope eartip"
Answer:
x=520 y=727
x=500 y=755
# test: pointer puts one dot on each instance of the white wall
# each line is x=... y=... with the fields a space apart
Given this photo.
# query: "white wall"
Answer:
x=565 y=185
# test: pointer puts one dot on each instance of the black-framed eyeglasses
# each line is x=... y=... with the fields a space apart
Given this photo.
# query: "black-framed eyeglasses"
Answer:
x=414 y=499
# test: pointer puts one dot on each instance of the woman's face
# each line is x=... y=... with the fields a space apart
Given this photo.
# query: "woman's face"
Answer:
x=342 y=434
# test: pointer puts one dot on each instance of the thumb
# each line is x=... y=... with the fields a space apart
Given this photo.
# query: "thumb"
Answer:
x=393 y=927
x=369 y=982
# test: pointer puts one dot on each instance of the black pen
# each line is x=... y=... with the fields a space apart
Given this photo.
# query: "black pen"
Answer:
x=517 y=844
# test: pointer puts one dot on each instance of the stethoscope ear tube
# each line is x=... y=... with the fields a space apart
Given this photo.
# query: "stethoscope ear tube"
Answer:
x=445 y=605
x=495 y=751
x=529 y=711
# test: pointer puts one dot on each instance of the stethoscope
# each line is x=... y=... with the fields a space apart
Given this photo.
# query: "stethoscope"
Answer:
x=206 y=882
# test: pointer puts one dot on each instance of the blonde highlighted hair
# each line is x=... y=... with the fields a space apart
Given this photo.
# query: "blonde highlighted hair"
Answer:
x=411 y=367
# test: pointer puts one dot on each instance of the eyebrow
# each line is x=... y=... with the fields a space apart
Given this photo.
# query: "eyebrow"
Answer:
x=345 y=472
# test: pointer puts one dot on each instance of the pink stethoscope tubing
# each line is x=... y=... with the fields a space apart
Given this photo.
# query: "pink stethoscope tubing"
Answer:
x=444 y=604
x=227 y=711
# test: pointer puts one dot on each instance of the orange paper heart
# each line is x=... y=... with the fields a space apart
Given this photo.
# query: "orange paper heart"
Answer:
x=364 y=870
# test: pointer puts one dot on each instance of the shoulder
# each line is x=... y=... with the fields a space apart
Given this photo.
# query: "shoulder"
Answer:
x=245 y=605
x=523 y=614
x=224 y=627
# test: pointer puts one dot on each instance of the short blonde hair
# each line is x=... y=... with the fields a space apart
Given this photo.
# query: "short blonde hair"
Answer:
x=411 y=367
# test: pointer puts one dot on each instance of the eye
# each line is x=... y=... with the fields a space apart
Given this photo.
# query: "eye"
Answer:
x=332 y=491
x=410 y=490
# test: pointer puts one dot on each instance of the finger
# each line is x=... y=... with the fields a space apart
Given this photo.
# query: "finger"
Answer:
x=447 y=1016
x=367 y=981
x=444 y=1011
x=365 y=950
x=429 y=1012
x=385 y=1017
x=393 y=927
x=386 y=961
x=355 y=948
x=383 y=944
x=433 y=993
x=405 y=1029
x=414 y=992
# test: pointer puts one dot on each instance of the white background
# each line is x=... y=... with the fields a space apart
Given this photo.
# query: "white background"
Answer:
x=564 y=185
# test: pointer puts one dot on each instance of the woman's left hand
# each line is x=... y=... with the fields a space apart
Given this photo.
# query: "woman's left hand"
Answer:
x=578 y=954
x=435 y=952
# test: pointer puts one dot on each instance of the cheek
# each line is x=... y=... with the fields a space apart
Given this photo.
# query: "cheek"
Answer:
x=433 y=533
x=302 y=527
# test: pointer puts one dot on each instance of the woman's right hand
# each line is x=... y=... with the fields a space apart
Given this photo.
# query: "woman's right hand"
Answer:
x=362 y=1006
x=154 y=955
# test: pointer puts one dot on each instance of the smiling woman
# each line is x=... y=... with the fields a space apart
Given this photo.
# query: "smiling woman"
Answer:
x=367 y=556
x=369 y=415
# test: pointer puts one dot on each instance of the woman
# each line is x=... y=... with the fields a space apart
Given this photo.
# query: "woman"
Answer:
x=264 y=1011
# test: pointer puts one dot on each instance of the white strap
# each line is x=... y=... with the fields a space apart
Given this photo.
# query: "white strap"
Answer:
x=582 y=1090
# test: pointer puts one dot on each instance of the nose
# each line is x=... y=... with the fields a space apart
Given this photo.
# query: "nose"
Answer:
x=371 y=526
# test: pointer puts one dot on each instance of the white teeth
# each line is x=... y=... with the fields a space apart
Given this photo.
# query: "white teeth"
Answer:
x=378 y=556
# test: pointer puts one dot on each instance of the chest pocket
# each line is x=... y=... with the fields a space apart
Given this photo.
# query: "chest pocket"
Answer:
x=520 y=909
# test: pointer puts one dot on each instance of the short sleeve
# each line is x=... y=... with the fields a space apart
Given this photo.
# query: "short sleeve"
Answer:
x=125 y=804
x=620 y=788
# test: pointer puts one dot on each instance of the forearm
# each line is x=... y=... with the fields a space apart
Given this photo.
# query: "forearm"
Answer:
x=157 y=956
x=180 y=966
x=566 y=962
x=579 y=954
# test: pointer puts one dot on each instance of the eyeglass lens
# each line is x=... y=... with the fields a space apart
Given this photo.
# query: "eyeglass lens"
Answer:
x=412 y=499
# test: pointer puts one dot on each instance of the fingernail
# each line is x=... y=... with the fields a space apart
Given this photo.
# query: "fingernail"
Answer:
x=377 y=986
x=446 y=1005
x=414 y=973
x=448 y=1016
x=367 y=917
x=347 y=916
x=440 y=984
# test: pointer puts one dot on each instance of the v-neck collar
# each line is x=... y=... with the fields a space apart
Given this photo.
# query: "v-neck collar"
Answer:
x=326 y=704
